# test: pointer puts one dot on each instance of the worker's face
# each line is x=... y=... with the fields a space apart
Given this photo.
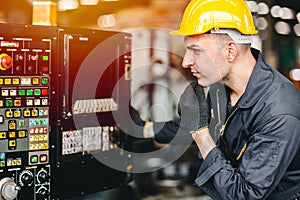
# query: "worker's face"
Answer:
x=205 y=58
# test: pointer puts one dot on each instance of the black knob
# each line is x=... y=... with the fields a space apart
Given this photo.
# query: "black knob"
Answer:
x=42 y=193
x=26 y=179
x=43 y=176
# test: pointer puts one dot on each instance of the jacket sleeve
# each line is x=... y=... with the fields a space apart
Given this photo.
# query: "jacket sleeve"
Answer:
x=171 y=132
x=269 y=152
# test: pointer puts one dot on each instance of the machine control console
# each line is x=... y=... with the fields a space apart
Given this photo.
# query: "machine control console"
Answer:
x=24 y=118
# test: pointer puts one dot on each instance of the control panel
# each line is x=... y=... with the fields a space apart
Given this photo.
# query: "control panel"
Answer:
x=60 y=89
x=24 y=117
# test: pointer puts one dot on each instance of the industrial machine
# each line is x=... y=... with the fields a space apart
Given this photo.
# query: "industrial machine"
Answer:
x=60 y=89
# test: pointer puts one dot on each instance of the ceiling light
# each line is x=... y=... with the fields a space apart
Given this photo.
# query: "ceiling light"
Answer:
x=67 y=5
x=295 y=74
x=298 y=17
x=282 y=28
x=89 y=2
x=107 y=21
x=297 y=29
x=275 y=11
x=252 y=5
x=262 y=23
x=287 y=13
x=262 y=8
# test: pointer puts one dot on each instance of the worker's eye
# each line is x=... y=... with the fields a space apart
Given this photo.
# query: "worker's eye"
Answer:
x=195 y=51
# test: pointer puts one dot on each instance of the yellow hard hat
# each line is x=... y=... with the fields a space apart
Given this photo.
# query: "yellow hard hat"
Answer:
x=201 y=16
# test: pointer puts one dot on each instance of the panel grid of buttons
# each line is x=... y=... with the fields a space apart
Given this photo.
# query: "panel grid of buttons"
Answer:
x=24 y=113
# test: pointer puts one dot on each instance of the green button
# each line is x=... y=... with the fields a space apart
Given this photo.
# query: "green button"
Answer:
x=29 y=92
x=45 y=58
x=37 y=92
x=45 y=81
x=21 y=92
x=21 y=123
x=2 y=163
x=34 y=159
x=9 y=103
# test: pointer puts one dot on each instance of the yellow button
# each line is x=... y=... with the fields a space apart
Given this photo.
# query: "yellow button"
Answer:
x=7 y=81
x=22 y=134
x=14 y=162
x=9 y=114
x=45 y=145
x=35 y=113
x=2 y=135
x=1 y=81
x=12 y=125
x=26 y=113
x=19 y=161
x=16 y=81
x=12 y=143
x=31 y=138
x=17 y=113
x=35 y=81
x=11 y=134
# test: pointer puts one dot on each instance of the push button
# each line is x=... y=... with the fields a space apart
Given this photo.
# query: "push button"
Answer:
x=21 y=123
x=26 y=113
x=35 y=81
x=2 y=135
x=29 y=102
x=13 y=92
x=8 y=114
x=37 y=92
x=17 y=102
x=22 y=134
x=12 y=125
x=45 y=81
x=22 y=92
x=29 y=92
x=12 y=134
x=16 y=81
x=7 y=81
x=45 y=92
x=34 y=159
x=1 y=119
x=4 y=93
x=34 y=113
x=9 y=103
x=17 y=113
x=12 y=144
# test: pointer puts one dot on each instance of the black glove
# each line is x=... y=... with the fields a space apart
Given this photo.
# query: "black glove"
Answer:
x=193 y=108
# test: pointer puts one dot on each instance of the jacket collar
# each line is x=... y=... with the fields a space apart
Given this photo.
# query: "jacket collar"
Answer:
x=260 y=80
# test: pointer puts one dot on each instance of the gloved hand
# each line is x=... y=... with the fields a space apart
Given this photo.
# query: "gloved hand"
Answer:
x=193 y=108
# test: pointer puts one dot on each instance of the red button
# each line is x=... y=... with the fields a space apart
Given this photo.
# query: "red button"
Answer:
x=45 y=92
x=43 y=158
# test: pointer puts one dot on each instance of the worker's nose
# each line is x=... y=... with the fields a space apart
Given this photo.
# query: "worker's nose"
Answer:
x=187 y=61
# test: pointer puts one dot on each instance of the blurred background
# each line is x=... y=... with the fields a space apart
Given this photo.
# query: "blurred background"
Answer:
x=157 y=76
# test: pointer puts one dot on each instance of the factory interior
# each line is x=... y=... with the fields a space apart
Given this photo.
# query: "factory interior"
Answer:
x=140 y=64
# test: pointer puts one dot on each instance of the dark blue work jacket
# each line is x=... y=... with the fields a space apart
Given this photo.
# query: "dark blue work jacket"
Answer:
x=258 y=152
x=258 y=146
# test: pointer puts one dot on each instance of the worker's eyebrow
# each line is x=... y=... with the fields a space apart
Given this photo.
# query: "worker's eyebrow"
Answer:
x=194 y=47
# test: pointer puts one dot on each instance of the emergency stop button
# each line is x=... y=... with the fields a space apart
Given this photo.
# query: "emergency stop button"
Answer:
x=5 y=61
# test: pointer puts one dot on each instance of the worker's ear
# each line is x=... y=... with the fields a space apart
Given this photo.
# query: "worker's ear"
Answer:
x=232 y=49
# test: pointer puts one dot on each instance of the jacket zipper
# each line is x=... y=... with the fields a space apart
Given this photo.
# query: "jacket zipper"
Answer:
x=223 y=127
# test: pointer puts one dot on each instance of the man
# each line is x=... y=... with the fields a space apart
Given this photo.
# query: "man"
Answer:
x=258 y=153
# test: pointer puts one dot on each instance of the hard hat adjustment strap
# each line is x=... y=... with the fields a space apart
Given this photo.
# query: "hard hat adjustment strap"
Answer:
x=235 y=35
